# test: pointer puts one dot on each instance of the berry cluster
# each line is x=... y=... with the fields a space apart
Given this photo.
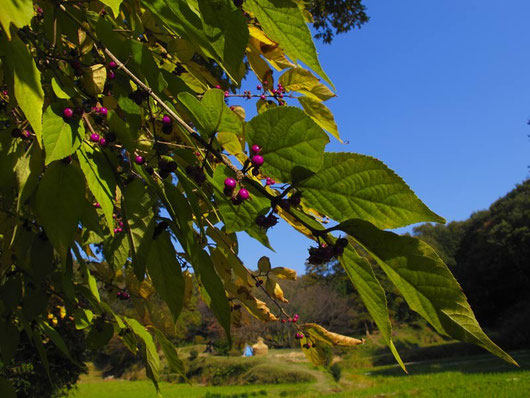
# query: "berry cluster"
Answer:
x=165 y=168
x=110 y=73
x=196 y=173
x=123 y=295
x=294 y=319
x=266 y=222
x=299 y=336
x=256 y=159
x=167 y=124
x=230 y=186
x=119 y=228
x=324 y=253
x=139 y=96
x=160 y=227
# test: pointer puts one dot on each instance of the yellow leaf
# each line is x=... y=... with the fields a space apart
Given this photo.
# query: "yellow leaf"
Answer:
x=188 y=287
x=230 y=142
x=314 y=352
x=317 y=332
x=94 y=78
x=274 y=289
x=259 y=66
x=303 y=81
x=260 y=35
x=321 y=114
x=284 y=273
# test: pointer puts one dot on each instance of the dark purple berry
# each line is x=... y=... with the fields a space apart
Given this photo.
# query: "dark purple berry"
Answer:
x=113 y=65
x=167 y=128
x=102 y=142
x=110 y=137
x=16 y=133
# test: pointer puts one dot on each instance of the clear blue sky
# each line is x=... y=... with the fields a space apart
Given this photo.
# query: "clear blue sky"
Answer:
x=438 y=90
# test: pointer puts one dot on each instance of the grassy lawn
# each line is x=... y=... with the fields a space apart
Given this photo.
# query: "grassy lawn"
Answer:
x=478 y=376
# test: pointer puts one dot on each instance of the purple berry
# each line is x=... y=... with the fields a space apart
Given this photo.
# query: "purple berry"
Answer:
x=97 y=205
x=94 y=137
x=259 y=87
x=268 y=181
x=243 y=194
x=26 y=134
x=255 y=148
x=262 y=97
x=139 y=160
x=111 y=75
x=68 y=113
x=120 y=224
x=218 y=86
x=102 y=141
x=227 y=94
x=113 y=65
x=230 y=183
x=166 y=120
x=104 y=111
x=257 y=160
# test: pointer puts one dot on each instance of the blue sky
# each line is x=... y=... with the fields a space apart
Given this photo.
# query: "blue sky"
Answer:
x=438 y=90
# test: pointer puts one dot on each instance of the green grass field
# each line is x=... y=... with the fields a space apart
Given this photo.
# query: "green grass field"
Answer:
x=477 y=376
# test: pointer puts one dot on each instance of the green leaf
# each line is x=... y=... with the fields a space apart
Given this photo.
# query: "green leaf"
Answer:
x=114 y=5
x=27 y=78
x=116 y=251
x=218 y=303
x=171 y=355
x=321 y=114
x=211 y=113
x=350 y=185
x=16 y=12
x=303 y=81
x=126 y=131
x=360 y=272
x=6 y=389
x=226 y=28
x=284 y=23
x=83 y=318
x=61 y=139
x=151 y=353
x=9 y=341
x=291 y=143
x=240 y=217
x=56 y=338
x=138 y=204
x=100 y=179
x=60 y=204
x=59 y=92
x=166 y=274
x=28 y=169
x=424 y=281
x=179 y=18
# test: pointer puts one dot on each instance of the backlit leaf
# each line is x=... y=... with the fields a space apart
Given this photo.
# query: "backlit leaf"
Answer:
x=424 y=281
x=16 y=12
x=350 y=185
x=61 y=138
x=319 y=333
x=291 y=143
x=321 y=114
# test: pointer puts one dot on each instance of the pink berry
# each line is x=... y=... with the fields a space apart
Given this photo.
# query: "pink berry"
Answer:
x=94 y=137
x=26 y=134
x=120 y=223
x=111 y=75
x=102 y=141
x=104 y=111
x=257 y=160
x=259 y=87
x=116 y=230
x=226 y=94
x=262 y=97
x=97 y=205
x=243 y=194
x=139 y=160
x=113 y=65
x=230 y=183
x=218 y=86
x=68 y=113
x=268 y=181
x=166 y=120
x=255 y=148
